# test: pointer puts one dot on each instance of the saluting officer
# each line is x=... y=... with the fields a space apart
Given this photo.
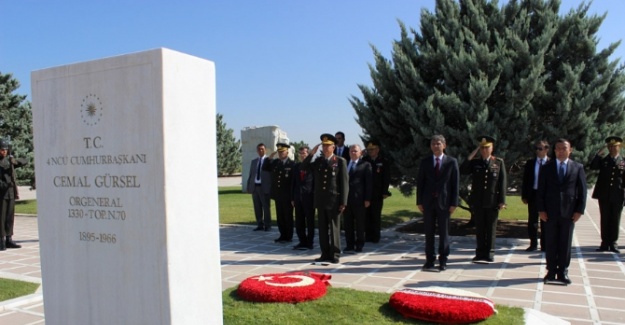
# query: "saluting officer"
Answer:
x=487 y=197
x=331 y=190
x=281 y=170
x=609 y=191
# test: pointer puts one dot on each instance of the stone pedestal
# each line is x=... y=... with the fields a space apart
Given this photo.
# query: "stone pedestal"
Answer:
x=125 y=157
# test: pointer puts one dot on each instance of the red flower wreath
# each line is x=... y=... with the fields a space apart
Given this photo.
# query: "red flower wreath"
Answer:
x=442 y=305
x=290 y=287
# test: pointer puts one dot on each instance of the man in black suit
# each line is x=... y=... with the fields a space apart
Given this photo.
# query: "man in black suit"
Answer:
x=437 y=199
x=303 y=203
x=488 y=196
x=281 y=170
x=561 y=200
x=331 y=189
x=259 y=185
x=341 y=149
x=528 y=194
x=358 y=200
x=381 y=182
x=609 y=190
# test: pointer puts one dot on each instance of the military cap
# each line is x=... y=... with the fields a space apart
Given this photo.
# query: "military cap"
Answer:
x=485 y=140
x=328 y=138
x=4 y=144
x=613 y=140
x=282 y=147
x=373 y=144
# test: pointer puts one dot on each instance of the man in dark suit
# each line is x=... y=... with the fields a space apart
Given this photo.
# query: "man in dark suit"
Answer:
x=331 y=189
x=259 y=185
x=341 y=149
x=488 y=196
x=609 y=190
x=437 y=199
x=358 y=200
x=528 y=194
x=281 y=170
x=381 y=182
x=303 y=203
x=561 y=200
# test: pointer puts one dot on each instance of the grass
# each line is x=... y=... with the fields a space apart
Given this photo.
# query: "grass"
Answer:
x=338 y=306
x=10 y=289
x=26 y=207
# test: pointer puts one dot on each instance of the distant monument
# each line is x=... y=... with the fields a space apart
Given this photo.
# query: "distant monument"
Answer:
x=125 y=157
x=253 y=135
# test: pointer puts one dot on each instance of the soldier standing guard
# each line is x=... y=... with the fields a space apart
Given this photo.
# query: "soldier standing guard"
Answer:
x=488 y=196
x=381 y=182
x=609 y=191
x=8 y=193
x=331 y=185
x=281 y=170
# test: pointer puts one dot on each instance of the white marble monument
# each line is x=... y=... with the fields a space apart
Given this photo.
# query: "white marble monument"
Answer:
x=125 y=157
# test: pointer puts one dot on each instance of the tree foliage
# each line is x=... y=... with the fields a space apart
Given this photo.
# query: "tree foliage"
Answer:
x=518 y=72
x=16 y=126
x=229 y=157
x=297 y=145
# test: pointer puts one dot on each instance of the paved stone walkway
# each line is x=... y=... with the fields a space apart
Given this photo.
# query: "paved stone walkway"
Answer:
x=597 y=295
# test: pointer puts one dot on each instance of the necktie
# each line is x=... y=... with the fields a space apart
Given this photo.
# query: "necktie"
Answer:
x=260 y=162
x=561 y=171
x=351 y=167
x=437 y=168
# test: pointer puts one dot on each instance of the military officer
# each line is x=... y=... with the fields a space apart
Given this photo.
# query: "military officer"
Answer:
x=609 y=191
x=381 y=181
x=8 y=192
x=281 y=169
x=331 y=187
x=487 y=197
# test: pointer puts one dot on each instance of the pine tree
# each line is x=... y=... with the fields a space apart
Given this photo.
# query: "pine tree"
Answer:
x=518 y=72
x=229 y=157
x=16 y=126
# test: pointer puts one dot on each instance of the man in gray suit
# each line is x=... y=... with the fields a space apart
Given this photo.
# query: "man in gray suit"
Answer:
x=259 y=184
x=437 y=199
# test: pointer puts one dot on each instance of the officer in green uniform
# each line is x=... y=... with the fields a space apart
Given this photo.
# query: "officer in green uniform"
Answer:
x=331 y=185
x=281 y=169
x=487 y=197
x=610 y=192
x=8 y=193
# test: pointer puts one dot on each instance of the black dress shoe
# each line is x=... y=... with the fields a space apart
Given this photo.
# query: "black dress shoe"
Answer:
x=11 y=244
x=602 y=249
x=550 y=277
x=348 y=250
x=258 y=228
x=531 y=248
x=278 y=240
x=564 y=278
x=358 y=249
x=321 y=259
x=428 y=266
x=442 y=267
x=310 y=246
x=613 y=249
x=267 y=228
x=334 y=260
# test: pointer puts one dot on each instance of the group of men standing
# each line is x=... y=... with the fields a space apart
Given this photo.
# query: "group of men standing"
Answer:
x=8 y=195
x=333 y=179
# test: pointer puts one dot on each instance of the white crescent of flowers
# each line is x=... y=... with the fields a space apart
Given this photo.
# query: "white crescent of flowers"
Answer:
x=304 y=280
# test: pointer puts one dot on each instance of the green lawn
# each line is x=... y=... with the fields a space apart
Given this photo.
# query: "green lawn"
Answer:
x=10 y=289
x=338 y=306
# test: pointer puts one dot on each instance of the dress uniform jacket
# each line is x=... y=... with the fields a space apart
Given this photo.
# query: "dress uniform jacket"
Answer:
x=331 y=180
x=281 y=178
x=488 y=186
x=611 y=179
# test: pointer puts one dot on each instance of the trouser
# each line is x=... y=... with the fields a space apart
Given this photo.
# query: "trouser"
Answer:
x=7 y=216
x=433 y=216
x=534 y=222
x=305 y=219
x=610 y=222
x=262 y=207
x=354 y=220
x=330 y=232
x=284 y=218
x=559 y=237
x=374 y=220
x=485 y=231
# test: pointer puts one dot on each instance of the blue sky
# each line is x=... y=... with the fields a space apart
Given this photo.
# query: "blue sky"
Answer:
x=278 y=62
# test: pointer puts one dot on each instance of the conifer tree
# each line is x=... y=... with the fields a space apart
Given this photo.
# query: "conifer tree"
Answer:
x=229 y=157
x=518 y=72
x=16 y=126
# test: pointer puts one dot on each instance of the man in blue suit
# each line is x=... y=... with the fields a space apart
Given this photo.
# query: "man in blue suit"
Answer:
x=437 y=199
x=561 y=200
